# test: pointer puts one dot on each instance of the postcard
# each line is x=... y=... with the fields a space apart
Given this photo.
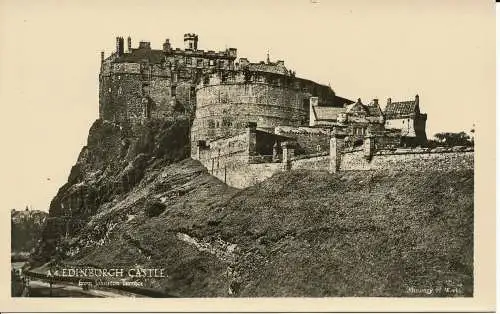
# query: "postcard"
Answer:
x=223 y=156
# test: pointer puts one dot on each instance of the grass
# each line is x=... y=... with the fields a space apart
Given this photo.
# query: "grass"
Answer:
x=298 y=233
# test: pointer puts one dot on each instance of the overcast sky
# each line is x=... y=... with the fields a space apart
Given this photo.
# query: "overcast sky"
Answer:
x=50 y=58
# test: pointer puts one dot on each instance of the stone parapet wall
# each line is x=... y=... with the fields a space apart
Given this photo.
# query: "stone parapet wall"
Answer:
x=408 y=160
x=313 y=163
x=227 y=153
x=309 y=140
x=247 y=175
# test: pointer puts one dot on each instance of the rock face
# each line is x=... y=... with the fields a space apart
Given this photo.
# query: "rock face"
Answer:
x=113 y=162
x=26 y=228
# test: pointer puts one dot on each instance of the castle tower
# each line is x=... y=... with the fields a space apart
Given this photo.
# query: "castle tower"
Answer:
x=191 y=41
x=166 y=45
x=119 y=46
x=129 y=44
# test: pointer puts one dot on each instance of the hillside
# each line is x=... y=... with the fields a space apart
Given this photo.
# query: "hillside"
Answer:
x=297 y=234
x=134 y=199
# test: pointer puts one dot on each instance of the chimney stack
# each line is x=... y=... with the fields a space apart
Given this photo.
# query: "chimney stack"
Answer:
x=166 y=45
x=119 y=46
x=129 y=44
x=416 y=99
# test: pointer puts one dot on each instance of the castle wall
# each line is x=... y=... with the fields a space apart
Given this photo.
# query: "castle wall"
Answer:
x=223 y=110
x=145 y=83
x=247 y=175
x=227 y=153
x=313 y=163
x=412 y=160
x=309 y=140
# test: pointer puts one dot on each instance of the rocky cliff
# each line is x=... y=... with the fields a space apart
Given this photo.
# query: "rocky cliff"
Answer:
x=115 y=160
x=133 y=199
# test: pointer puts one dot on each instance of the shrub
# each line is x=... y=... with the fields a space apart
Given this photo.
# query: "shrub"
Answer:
x=154 y=208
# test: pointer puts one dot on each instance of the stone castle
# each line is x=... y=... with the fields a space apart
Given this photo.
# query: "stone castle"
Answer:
x=249 y=120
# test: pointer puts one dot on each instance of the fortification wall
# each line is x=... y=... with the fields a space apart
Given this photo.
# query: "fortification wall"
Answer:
x=248 y=175
x=410 y=161
x=312 y=163
x=130 y=93
x=227 y=153
x=309 y=140
x=223 y=110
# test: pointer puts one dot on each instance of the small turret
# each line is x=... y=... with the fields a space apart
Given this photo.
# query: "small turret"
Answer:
x=119 y=46
x=232 y=52
x=191 y=41
x=166 y=45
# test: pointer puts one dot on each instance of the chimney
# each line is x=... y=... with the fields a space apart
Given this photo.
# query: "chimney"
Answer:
x=119 y=46
x=144 y=45
x=166 y=45
x=313 y=102
x=375 y=101
x=389 y=101
x=129 y=44
x=416 y=99
x=102 y=56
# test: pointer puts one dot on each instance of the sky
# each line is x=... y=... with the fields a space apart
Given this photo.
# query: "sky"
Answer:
x=50 y=57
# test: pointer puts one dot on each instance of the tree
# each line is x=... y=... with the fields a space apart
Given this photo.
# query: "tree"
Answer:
x=454 y=139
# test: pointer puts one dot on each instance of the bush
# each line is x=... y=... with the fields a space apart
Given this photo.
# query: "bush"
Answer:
x=154 y=208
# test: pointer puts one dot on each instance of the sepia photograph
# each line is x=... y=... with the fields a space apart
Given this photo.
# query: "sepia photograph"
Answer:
x=306 y=150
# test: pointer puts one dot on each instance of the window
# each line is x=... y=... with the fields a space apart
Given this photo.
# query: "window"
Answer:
x=212 y=62
x=190 y=45
x=226 y=121
x=145 y=89
x=188 y=60
x=192 y=92
x=173 y=90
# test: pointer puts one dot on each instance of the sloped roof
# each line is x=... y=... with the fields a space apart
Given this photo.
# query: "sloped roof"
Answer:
x=373 y=110
x=327 y=113
x=401 y=108
x=268 y=67
x=137 y=55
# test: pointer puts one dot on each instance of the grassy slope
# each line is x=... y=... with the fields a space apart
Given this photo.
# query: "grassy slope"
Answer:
x=297 y=234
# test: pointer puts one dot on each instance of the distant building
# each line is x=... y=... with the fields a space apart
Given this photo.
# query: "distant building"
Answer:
x=406 y=117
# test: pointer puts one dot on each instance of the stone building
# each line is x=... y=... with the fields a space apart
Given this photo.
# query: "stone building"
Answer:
x=405 y=116
x=227 y=100
x=248 y=119
x=140 y=83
